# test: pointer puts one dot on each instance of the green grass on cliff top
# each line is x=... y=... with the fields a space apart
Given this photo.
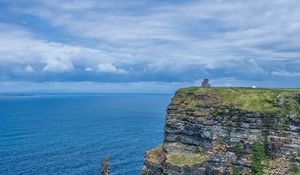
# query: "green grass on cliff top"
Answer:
x=251 y=99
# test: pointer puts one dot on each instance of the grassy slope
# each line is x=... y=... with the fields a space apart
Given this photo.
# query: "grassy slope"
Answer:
x=247 y=98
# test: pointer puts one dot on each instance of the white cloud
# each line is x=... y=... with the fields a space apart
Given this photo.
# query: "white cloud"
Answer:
x=285 y=73
x=58 y=65
x=89 y=69
x=28 y=68
x=19 y=46
x=204 y=32
x=109 y=68
x=253 y=67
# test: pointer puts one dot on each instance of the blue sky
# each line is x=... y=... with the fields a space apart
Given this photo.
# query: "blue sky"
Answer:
x=147 y=46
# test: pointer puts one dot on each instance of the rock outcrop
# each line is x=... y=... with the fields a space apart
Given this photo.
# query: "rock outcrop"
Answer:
x=222 y=131
x=105 y=170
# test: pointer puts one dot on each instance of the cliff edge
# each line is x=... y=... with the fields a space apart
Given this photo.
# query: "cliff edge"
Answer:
x=222 y=131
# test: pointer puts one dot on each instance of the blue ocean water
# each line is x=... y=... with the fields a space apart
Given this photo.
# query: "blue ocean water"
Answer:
x=69 y=134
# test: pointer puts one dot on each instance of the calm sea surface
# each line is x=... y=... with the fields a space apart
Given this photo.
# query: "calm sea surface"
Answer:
x=69 y=134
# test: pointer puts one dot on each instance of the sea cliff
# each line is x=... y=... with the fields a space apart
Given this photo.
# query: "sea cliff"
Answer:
x=220 y=131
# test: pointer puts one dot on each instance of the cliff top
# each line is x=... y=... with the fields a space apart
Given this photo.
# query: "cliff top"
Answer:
x=250 y=99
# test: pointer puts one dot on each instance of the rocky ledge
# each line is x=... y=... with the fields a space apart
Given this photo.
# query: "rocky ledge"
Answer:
x=220 y=131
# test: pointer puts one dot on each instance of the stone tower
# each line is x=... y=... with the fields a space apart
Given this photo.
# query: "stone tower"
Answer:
x=205 y=84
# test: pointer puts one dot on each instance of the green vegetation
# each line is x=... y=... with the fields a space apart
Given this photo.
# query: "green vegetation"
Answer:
x=295 y=169
x=177 y=138
x=238 y=150
x=290 y=106
x=200 y=113
x=188 y=101
x=249 y=99
x=246 y=98
x=198 y=149
x=236 y=171
x=258 y=159
x=217 y=111
x=180 y=159
x=230 y=123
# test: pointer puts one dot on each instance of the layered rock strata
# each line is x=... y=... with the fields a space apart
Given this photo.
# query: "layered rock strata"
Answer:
x=229 y=131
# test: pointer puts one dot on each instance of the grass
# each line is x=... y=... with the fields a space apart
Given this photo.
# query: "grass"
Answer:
x=249 y=99
x=198 y=149
x=295 y=169
x=236 y=171
x=297 y=172
x=258 y=159
x=181 y=159
x=238 y=150
x=246 y=98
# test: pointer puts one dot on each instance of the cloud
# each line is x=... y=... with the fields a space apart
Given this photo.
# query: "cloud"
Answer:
x=211 y=29
x=28 y=68
x=253 y=67
x=58 y=65
x=165 y=41
x=19 y=46
x=110 y=68
x=89 y=69
x=286 y=73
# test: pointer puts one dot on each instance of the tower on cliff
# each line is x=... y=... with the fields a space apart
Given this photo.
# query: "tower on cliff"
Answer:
x=205 y=84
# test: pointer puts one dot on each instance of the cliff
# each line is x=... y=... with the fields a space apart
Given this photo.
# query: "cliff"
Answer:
x=220 y=131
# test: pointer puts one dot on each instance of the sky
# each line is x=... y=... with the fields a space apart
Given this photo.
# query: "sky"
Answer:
x=147 y=45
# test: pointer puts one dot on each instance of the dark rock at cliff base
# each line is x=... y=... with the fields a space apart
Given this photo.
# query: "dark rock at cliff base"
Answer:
x=105 y=170
x=220 y=131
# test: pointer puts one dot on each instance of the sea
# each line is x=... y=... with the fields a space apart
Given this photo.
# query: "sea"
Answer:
x=54 y=134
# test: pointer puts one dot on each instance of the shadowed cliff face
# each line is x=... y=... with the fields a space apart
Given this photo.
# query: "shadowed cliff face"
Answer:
x=229 y=131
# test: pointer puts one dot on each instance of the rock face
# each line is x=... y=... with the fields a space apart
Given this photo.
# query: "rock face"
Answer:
x=229 y=131
x=105 y=170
